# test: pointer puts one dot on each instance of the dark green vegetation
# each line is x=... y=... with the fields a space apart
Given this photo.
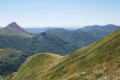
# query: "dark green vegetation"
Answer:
x=44 y=42
x=10 y=60
x=101 y=56
x=78 y=37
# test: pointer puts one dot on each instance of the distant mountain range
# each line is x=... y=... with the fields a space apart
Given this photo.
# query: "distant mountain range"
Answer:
x=100 y=31
x=13 y=36
x=37 y=30
x=84 y=36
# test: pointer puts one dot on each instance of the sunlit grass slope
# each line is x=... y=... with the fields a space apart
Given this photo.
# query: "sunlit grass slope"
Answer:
x=105 y=71
x=36 y=66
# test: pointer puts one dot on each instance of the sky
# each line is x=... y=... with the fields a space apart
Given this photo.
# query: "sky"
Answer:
x=54 y=13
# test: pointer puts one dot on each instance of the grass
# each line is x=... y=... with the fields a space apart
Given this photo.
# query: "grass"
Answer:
x=37 y=64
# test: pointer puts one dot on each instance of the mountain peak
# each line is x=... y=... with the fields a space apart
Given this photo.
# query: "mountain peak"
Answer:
x=110 y=25
x=14 y=27
x=13 y=23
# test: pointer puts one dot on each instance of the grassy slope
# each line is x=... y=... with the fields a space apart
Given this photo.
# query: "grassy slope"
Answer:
x=98 y=53
x=36 y=66
x=105 y=71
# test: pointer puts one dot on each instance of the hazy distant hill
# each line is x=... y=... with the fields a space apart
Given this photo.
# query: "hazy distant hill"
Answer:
x=97 y=61
x=100 y=31
x=60 y=32
x=37 y=30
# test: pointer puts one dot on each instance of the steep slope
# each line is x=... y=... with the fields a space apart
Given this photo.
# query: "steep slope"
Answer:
x=84 y=59
x=106 y=71
x=9 y=61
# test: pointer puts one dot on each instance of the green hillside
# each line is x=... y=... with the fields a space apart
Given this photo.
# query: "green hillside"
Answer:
x=45 y=42
x=42 y=42
x=101 y=52
x=13 y=36
x=78 y=37
x=10 y=60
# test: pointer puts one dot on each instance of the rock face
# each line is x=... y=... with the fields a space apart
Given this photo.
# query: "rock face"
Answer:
x=14 y=27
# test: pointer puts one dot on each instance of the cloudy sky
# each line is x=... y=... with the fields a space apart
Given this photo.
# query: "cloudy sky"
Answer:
x=44 y=13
